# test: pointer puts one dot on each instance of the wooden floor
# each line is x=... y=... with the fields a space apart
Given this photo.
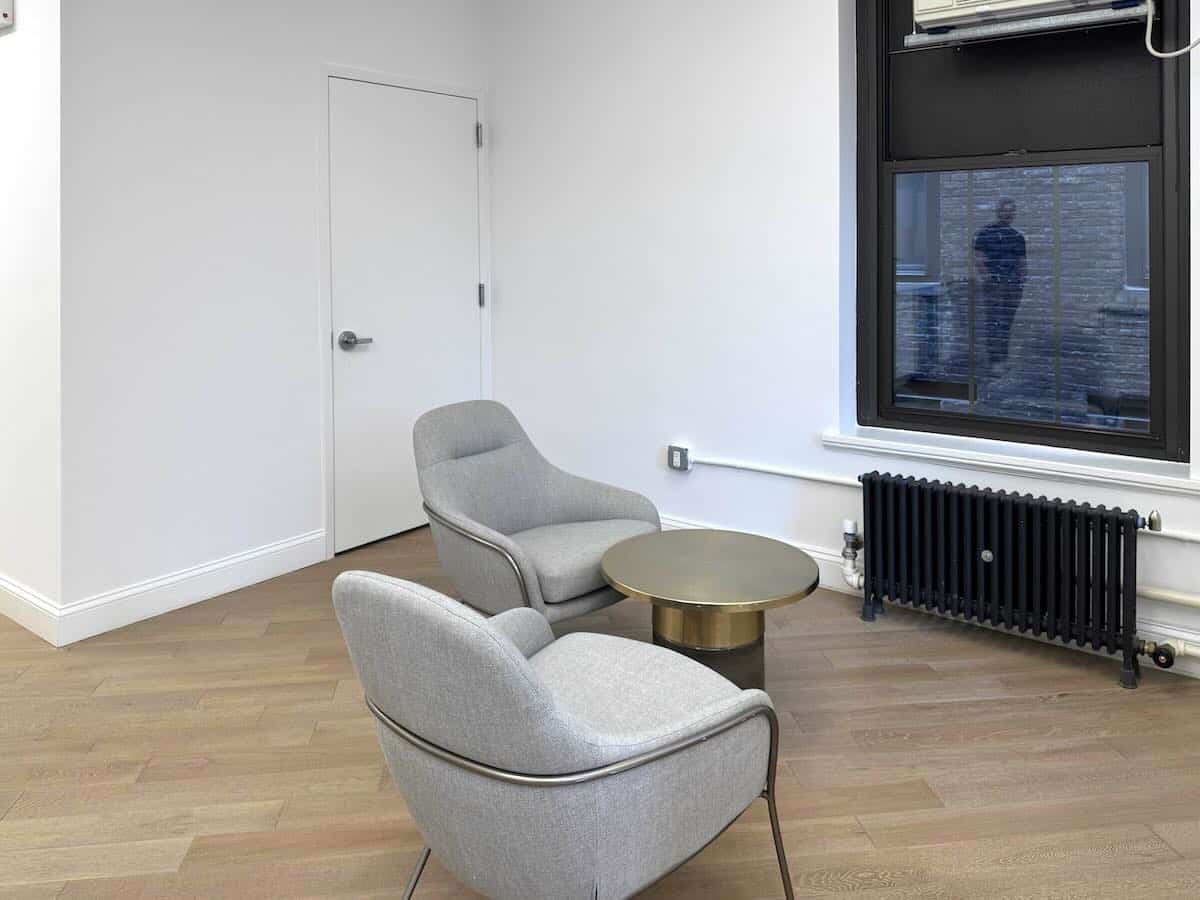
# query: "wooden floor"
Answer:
x=224 y=751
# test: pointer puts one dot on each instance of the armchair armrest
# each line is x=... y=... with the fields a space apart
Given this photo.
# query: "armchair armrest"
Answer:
x=489 y=569
x=753 y=711
x=527 y=628
x=706 y=721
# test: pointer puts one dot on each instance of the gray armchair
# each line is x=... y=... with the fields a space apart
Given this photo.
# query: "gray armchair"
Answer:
x=581 y=768
x=511 y=529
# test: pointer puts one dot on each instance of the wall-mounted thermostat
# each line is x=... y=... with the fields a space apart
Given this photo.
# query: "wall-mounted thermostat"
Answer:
x=6 y=14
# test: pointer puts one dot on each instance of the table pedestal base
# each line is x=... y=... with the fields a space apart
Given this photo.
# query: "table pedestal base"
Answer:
x=705 y=630
x=728 y=643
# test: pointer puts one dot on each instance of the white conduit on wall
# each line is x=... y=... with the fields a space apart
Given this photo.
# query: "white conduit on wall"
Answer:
x=1165 y=595
x=1183 y=536
x=842 y=480
x=850 y=570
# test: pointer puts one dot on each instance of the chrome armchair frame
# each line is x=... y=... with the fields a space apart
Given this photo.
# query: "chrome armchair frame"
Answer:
x=609 y=770
x=459 y=530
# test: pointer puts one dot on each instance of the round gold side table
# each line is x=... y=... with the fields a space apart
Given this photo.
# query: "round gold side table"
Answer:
x=711 y=590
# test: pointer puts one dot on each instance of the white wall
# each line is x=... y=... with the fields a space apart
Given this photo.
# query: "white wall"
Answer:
x=666 y=211
x=29 y=304
x=665 y=208
x=191 y=341
x=673 y=212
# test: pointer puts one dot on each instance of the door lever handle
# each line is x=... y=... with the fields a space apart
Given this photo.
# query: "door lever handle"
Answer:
x=348 y=340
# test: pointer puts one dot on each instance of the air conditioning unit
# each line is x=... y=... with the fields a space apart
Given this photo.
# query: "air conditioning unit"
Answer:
x=931 y=14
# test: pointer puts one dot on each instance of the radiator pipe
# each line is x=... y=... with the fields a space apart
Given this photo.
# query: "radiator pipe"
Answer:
x=1154 y=524
x=1164 y=655
x=853 y=543
x=1165 y=595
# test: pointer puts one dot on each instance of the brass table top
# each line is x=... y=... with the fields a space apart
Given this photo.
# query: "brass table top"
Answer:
x=714 y=571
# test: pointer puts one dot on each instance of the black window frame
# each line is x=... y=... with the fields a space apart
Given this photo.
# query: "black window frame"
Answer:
x=1169 y=255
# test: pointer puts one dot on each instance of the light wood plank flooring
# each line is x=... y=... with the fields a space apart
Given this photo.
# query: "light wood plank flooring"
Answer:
x=224 y=751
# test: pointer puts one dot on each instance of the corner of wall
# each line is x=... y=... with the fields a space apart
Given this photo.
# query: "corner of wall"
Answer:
x=29 y=609
x=30 y=320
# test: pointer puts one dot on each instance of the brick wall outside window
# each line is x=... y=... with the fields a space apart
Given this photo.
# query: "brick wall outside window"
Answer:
x=1079 y=344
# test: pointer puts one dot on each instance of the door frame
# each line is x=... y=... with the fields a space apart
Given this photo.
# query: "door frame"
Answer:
x=325 y=323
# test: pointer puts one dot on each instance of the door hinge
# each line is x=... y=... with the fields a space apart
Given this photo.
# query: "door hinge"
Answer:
x=479 y=135
x=482 y=296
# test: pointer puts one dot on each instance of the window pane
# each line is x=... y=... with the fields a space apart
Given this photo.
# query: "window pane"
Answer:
x=912 y=250
x=1037 y=302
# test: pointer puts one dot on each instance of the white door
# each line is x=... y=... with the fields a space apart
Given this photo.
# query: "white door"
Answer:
x=404 y=246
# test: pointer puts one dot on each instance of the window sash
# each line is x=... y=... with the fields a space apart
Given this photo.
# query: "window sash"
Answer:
x=1150 y=443
x=879 y=29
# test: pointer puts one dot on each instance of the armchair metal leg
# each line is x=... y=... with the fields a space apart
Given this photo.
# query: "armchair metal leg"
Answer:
x=779 y=851
x=416 y=875
x=769 y=793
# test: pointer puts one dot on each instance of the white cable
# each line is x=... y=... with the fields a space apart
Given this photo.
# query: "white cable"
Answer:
x=1150 y=38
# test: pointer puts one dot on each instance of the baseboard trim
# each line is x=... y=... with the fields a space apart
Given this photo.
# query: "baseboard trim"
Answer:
x=828 y=560
x=81 y=619
x=117 y=608
x=31 y=610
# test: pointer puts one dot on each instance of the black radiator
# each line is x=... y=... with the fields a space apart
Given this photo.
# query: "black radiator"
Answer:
x=1056 y=569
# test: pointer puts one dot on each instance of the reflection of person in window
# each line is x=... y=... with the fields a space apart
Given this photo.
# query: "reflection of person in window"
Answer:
x=1000 y=273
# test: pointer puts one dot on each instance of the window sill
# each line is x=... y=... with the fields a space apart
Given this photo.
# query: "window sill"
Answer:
x=1017 y=459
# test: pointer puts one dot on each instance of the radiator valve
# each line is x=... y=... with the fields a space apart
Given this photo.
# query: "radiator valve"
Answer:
x=1163 y=655
x=853 y=544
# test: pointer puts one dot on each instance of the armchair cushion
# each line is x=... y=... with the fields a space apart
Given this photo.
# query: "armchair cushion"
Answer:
x=633 y=697
x=567 y=556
